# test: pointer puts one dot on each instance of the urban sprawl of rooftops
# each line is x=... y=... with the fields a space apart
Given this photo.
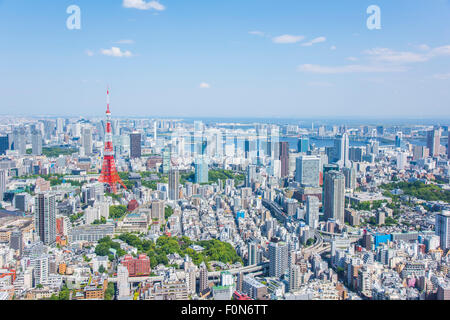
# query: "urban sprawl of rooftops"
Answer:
x=220 y=211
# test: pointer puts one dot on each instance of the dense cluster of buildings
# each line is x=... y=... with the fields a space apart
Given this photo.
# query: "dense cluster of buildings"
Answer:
x=307 y=210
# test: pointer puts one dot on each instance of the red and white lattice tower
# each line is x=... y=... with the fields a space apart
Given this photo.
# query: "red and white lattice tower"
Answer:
x=109 y=173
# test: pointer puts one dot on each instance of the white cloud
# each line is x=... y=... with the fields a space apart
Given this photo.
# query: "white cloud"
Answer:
x=355 y=68
x=352 y=59
x=391 y=56
x=116 y=52
x=257 y=33
x=440 y=51
x=89 y=53
x=333 y=48
x=320 y=84
x=442 y=76
x=314 y=41
x=126 y=41
x=204 y=85
x=142 y=5
x=287 y=38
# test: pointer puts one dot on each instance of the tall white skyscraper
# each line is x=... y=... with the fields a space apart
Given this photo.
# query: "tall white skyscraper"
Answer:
x=334 y=196
x=312 y=212
x=87 y=141
x=341 y=149
x=122 y=282
x=278 y=259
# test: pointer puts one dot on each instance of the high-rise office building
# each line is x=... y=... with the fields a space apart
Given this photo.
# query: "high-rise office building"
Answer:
x=45 y=217
x=251 y=175
x=201 y=170
x=203 y=283
x=158 y=208
x=434 y=142
x=308 y=171
x=36 y=142
x=123 y=287
x=87 y=141
x=399 y=140
x=135 y=145
x=448 y=146
x=2 y=183
x=294 y=277
x=174 y=184
x=278 y=258
x=303 y=145
x=4 y=144
x=166 y=160
x=356 y=154
x=312 y=212
x=341 y=150
x=420 y=152
x=334 y=196
x=284 y=158
x=442 y=228
x=16 y=241
x=350 y=177
x=253 y=253
x=17 y=141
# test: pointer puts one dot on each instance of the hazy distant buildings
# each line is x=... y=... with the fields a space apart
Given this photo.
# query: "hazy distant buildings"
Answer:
x=434 y=142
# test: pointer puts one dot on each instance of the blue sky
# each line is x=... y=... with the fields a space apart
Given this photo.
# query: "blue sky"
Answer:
x=286 y=58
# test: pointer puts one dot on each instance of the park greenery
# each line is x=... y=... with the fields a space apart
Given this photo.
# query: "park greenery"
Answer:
x=420 y=190
x=55 y=152
x=117 y=212
x=367 y=205
x=214 y=250
x=214 y=176
x=76 y=216
x=168 y=212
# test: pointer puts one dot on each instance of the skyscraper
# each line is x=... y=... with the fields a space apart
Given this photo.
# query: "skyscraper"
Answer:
x=341 y=150
x=284 y=158
x=45 y=217
x=2 y=183
x=174 y=182
x=36 y=142
x=4 y=145
x=253 y=254
x=312 y=212
x=203 y=277
x=123 y=286
x=87 y=141
x=434 y=142
x=350 y=178
x=442 y=228
x=135 y=145
x=278 y=258
x=16 y=241
x=303 y=145
x=308 y=171
x=201 y=170
x=334 y=196
x=166 y=160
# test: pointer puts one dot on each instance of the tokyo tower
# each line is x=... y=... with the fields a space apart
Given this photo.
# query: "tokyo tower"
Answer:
x=109 y=173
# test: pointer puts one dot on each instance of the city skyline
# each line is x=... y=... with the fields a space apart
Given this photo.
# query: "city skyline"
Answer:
x=225 y=60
